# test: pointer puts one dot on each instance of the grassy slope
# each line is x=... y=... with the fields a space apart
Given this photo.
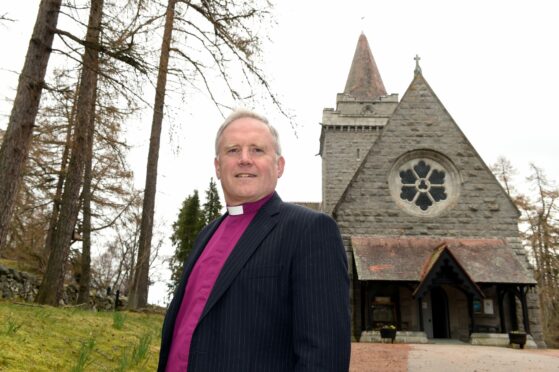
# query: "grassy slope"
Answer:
x=18 y=265
x=37 y=338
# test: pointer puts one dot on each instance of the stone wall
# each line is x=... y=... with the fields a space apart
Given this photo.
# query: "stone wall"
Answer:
x=369 y=206
x=343 y=150
x=347 y=135
x=21 y=286
x=421 y=123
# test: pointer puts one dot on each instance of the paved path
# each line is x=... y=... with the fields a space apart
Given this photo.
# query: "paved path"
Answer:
x=423 y=358
x=367 y=357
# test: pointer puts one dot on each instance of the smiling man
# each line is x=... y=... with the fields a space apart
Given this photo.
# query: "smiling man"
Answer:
x=266 y=285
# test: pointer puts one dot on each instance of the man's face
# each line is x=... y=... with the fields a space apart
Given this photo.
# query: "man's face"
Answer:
x=246 y=162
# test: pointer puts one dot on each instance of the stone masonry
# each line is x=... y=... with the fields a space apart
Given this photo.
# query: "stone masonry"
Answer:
x=18 y=285
x=369 y=134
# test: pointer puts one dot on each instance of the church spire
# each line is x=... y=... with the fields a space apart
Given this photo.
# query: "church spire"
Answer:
x=364 y=81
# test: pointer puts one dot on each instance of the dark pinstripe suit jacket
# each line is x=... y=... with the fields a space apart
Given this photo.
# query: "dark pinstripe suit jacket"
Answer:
x=281 y=301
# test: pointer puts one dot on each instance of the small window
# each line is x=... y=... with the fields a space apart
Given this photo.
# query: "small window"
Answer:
x=477 y=306
x=382 y=314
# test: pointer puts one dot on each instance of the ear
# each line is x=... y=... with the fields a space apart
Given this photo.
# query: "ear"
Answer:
x=217 y=168
x=281 y=165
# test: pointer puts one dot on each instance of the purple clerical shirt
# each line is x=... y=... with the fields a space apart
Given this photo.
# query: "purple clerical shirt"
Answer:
x=202 y=279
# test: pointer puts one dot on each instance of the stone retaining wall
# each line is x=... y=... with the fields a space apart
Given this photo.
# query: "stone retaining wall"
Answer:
x=19 y=285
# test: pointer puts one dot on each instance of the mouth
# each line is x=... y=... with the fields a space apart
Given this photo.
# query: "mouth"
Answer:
x=245 y=175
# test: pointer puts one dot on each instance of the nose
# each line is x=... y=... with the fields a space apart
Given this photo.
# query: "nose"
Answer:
x=245 y=157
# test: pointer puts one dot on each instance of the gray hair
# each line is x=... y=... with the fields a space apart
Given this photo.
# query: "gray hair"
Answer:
x=244 y=113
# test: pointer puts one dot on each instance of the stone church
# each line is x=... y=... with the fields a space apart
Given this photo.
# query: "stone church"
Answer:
x=432 y=238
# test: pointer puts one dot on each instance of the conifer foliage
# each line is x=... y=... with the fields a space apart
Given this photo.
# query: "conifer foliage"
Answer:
x=212 y=206
x=188 y=225
x=185 y=229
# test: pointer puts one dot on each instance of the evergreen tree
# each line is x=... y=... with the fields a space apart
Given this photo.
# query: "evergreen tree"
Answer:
x=212 y=206
x=185 y=230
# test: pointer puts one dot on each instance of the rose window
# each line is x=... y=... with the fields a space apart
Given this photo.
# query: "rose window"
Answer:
x=423 y=185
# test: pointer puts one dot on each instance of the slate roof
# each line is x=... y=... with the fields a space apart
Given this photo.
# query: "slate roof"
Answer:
x=364 y=81
x=385 y=258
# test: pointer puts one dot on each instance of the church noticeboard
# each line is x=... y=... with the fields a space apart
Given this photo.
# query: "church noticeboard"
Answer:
x=488 y=306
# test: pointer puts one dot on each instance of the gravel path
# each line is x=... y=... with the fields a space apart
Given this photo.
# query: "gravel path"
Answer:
x=440 y=357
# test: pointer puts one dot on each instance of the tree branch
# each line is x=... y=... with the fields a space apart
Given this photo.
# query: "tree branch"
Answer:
x=120 y=55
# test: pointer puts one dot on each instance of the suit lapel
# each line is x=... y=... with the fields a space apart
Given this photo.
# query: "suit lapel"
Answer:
x=256 y=232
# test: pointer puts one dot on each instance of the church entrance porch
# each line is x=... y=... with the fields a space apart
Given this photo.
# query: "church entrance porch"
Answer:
x=445 y=301
x=443 y=312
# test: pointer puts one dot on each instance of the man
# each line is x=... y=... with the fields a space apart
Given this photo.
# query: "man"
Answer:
x=266 y=286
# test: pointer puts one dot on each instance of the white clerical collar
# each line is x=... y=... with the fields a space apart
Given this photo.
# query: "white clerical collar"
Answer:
x=235 y=210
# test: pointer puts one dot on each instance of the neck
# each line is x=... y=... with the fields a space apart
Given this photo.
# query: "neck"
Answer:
x=248 y=207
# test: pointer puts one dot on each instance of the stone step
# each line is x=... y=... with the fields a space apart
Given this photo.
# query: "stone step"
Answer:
x=411 y=337
x=402 y=337
x=498 y=339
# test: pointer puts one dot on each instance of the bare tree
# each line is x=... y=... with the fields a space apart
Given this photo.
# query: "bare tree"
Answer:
x=39 y=188
x=212 y=38
x=539 y=230
x=83 y=293
x=70 y=115
x=51 y=288
x=17 y=139
x=540 y=227
x=115 y=267
x=505 y=172
x=5 y=18
x=117 y=40
x=138 y=296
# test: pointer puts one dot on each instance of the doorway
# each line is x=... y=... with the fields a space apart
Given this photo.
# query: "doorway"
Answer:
x=439 y=306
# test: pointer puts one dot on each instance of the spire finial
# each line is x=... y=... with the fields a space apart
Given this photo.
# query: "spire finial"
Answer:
x=417 y=67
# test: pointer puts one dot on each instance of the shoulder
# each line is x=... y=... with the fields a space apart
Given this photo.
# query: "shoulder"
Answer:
x=292 y=211
x=296 y=209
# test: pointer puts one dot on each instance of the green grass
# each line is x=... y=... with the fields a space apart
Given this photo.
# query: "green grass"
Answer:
x=84 y=355
x=43 y=338
x=11 y=326
x=137 y=356
x=118 y=320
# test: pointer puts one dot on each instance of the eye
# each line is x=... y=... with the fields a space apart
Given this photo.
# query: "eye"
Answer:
x=257 y=150
x=232 y=150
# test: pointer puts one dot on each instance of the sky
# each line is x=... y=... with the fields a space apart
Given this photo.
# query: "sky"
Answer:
x=493 y=65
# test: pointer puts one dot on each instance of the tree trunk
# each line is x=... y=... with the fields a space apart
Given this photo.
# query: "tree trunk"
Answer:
x=61 y=177
x=85 y=277
x=138 y=296
x=17 y=138
x=53 y=280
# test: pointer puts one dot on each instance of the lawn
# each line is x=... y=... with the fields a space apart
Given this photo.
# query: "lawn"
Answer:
x=44 y=338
